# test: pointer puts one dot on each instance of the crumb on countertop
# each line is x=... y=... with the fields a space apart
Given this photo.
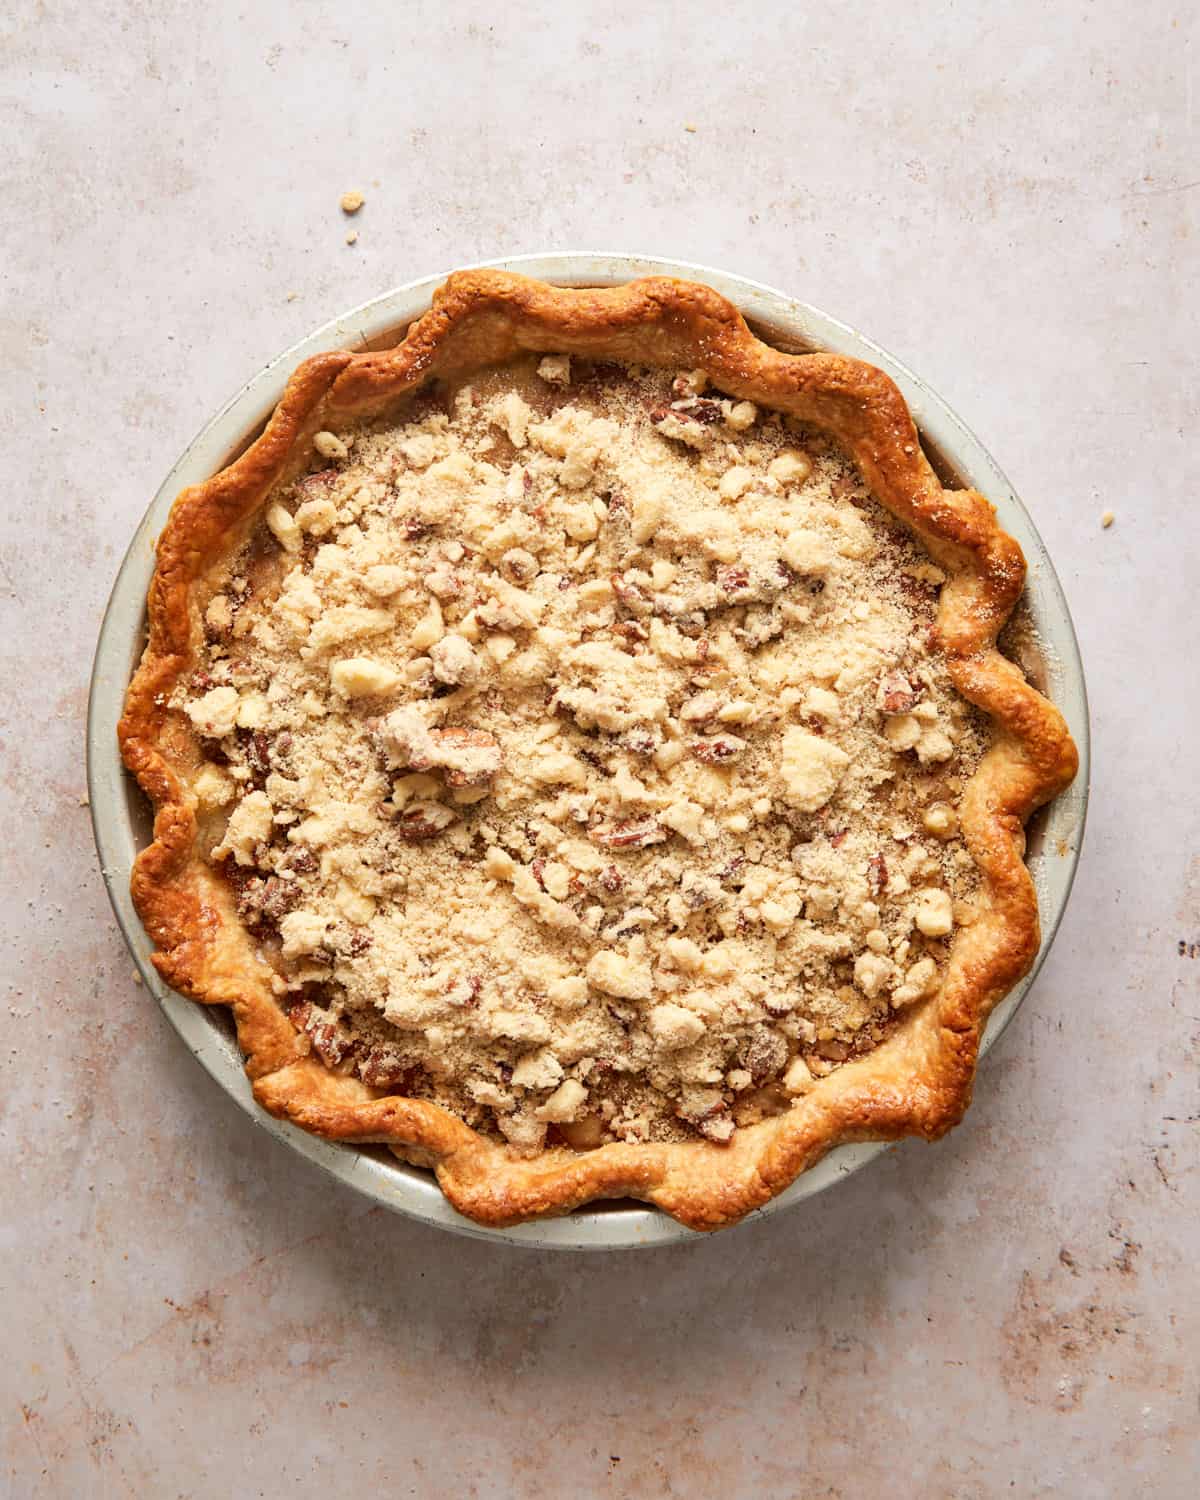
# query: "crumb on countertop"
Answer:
x=352 y=202
x=1107 y=519
x=352 y=237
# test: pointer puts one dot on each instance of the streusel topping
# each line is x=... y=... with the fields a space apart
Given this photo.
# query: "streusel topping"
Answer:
x=578 y=756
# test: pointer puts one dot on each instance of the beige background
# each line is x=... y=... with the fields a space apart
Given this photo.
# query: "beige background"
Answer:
x=1004 y=196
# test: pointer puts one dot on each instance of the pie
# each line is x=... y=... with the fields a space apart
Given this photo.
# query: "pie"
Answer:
x=582 y=758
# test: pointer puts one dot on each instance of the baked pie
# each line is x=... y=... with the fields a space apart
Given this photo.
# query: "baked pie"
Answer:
x=582 y=759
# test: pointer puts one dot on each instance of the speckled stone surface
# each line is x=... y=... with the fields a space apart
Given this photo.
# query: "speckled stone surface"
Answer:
x=1007 y=198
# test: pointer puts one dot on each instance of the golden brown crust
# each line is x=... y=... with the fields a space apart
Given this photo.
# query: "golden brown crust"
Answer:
x=918 y=1082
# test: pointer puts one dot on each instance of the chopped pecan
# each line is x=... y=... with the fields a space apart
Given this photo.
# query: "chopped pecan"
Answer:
x=780 y=1004
x=639 y=742
x=469 y=757
x=424 y=820
x=332 y=1041
x=464 y=992
x=300 y=859
x=384 y=1068
x=691 y=623
x=766 y=1053
x=277 y=898
x=258 y=753
x=877 y=874
x=718 y=750
x=699 y=409
x=630 y=596
x=416 y=527
x=699 y=891
x=629 y=833
x=762 y=624
x=733 y=580
x=843 y=488
x=518 y=565
x=630 y=630
x=896 y=694
x=314 y=485
x=612 y=880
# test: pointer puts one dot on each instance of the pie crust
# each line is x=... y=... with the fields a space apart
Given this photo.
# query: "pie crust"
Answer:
x=916 y=1082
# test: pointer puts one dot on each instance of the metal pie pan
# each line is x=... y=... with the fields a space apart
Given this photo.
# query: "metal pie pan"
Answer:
x=121 y=819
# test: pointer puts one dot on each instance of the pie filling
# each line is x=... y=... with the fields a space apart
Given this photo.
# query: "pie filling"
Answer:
x=576 y=751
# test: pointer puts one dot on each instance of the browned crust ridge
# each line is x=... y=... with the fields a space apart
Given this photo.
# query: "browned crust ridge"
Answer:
x=919 y=1082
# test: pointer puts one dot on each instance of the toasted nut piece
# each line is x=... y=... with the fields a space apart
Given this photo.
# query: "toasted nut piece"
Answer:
x=895 y=694
x=424 y=820
x=718 y=750
x=628 y=834
x=470 y=757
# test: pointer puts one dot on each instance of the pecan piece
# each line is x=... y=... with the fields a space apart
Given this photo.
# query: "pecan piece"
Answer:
x=766 y=1053
x=424 y=820
x=464 y=992
x=384 y=1068
x=330 y=1039
x=612 y=880
x=628 y=833
x=468 y=757
x=300 y=859
x=896 y=695
x=718 y=750
x=877 y=874
x=631 y=597
x=314 y=485
x=699 y=409
x=639 y=742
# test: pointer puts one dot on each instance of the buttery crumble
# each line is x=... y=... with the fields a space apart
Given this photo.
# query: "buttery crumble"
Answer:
x=576 y=753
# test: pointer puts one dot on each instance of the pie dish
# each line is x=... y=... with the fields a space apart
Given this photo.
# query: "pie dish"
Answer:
x=652 y=1050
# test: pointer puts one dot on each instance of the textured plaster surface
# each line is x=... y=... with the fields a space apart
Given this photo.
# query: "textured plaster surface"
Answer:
x=1006 y=197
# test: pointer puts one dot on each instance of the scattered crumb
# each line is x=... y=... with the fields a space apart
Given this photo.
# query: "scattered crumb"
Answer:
x=83 y=801
x=691 y=129
x=352 y=202
x=137 y=978
x=291 y=297
x=352 y=237
x=1107 y=519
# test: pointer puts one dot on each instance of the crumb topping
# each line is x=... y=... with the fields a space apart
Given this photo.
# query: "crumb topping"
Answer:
x=577 y=751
